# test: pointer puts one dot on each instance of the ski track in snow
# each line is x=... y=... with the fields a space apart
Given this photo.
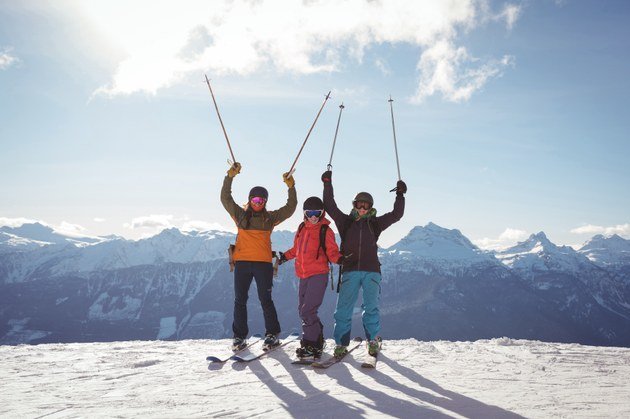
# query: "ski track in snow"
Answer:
x=482 y=379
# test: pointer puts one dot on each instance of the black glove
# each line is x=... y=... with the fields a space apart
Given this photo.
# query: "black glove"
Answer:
x=327 y=176
x=281 y=259
x=341 y=259
x=401 y=188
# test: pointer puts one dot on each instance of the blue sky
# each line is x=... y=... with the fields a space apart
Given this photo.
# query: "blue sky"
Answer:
x=510 y=116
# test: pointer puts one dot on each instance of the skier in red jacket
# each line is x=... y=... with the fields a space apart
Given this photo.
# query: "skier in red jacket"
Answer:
x=313 y=247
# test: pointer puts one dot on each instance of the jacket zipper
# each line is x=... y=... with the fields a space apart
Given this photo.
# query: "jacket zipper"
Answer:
x=360 y=239
x=302 y=250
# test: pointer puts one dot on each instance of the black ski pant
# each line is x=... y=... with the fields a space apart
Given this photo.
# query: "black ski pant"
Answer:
x=262 y=272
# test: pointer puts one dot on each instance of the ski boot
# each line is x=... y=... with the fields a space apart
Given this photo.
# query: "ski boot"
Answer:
x=374 y=346
x=308 y=350
x=340 y=351
x=271 y=341
x=238 y=344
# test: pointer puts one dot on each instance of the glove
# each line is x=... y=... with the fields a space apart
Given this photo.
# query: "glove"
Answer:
x=340 y=260
x=401 y=188
x=281 y=259
x=234 y=170
x=327 y=176
x=288 y=179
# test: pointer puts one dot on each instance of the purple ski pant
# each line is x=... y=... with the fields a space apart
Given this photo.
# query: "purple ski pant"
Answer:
x=310 y=296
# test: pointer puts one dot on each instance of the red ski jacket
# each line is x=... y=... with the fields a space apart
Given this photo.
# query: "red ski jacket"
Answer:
x=309 y=256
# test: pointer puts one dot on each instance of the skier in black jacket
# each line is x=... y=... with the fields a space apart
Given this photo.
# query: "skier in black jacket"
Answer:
x=359 y=233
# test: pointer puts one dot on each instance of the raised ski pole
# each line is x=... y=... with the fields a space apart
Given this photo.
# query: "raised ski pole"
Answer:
x=307 y=135
x=220 y=120
x=391 y=108
x=335 y=139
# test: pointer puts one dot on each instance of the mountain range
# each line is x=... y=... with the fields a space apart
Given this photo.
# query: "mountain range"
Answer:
x=436 y=285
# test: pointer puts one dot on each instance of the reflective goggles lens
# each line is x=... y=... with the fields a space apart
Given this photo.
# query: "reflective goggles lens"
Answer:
x=313 y=213
x=362 y=205
x=258 y=201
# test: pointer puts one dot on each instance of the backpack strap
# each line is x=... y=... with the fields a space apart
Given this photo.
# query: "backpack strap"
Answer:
x=322 y=239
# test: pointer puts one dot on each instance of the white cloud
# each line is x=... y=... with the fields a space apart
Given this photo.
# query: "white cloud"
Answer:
x=620 y=229
x=166 y=42
x=195 y=225
x=99 y=220
x=72 y=230
x=446 y=69
x=510 y=14
x=153 y=221
x=16 y=222
x=383 y=67
x=6 y=59
x=509 y=237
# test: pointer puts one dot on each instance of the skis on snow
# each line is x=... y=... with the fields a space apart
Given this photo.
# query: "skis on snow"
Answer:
x=356 y=342
x=260 y=352
x=252 y=340
x=370 y=360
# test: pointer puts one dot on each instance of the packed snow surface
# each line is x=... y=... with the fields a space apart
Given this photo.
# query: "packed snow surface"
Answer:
x=482 y=379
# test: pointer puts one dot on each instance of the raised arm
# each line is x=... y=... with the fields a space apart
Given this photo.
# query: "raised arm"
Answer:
x=396 y=214
x=288 y=209
x=329 y=201
x=227 y=200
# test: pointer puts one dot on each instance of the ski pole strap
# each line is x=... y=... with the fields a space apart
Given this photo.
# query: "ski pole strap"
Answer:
x=332 y=278
x=274 y=255
x=339 y=280
x=231 y=257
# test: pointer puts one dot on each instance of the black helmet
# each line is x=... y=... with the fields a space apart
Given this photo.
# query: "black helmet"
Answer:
x=258 y=191
x=364 y=197
x=313 y=203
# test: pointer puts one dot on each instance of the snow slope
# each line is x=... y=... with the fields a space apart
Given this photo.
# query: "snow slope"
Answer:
x=482 y=379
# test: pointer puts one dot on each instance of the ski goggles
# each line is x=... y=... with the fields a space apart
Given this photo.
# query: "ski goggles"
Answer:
x=258 y=201
x=362 y=205
x=313 y=213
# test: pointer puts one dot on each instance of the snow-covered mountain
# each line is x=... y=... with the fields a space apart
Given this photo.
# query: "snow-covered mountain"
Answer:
x=436 y=285
x=607 y=251
x=33 y=235
x=436 y=243
x=538 y=254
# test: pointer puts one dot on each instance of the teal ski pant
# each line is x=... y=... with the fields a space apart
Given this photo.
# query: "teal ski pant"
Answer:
x=351 y=282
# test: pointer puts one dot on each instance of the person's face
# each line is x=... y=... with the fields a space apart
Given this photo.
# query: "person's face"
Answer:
x=313 y=216
x=257 y=203
x=362 y=207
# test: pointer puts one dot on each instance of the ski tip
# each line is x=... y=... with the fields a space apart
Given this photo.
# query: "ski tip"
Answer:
x=212 y=359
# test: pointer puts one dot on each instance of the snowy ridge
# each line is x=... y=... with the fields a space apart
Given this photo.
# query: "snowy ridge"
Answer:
x=433 y=248
x=483 y=379
x=607 y=251
x=539 y=254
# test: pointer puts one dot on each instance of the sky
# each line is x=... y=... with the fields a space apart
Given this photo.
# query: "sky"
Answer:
x=510 y=116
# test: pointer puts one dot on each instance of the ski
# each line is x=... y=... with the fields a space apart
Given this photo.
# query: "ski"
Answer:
x=252 y=340
x=332 y=360
x=370 y=360
x=304 y=361
x=255 y=355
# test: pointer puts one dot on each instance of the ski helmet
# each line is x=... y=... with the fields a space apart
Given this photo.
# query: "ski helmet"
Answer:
x=364 y=197
x=258 y=191
x=313 y=203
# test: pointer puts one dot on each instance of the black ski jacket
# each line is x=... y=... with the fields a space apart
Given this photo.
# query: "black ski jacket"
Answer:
x=359 y=237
